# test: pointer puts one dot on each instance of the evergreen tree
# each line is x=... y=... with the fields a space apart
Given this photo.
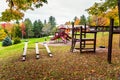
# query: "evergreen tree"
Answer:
x=37 y=28
x=6 y=42
x=29 y=28
x=75 y=18
x=82 y=20
x=88 y=20
x=45 y=22
x=52 y=22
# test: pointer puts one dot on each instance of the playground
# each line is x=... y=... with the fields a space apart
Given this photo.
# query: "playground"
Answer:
x=80 y=49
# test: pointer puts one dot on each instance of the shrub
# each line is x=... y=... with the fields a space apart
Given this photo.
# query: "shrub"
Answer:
x=6 y=42
x=17 y=40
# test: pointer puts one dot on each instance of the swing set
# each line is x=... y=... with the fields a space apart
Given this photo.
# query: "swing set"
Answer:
x=83 y=40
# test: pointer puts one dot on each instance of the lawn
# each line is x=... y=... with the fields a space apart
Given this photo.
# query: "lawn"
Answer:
x=64 y=65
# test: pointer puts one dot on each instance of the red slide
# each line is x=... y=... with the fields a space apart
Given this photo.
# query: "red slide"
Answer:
x=64 y=36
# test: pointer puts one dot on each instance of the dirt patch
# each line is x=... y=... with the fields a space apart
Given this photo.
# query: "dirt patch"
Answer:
x=53 y=43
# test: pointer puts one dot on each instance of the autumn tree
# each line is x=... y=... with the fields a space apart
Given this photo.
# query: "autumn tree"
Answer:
x=7 y=28
x=2 y=34
x=113 y=13
x=77 y=22
x=68 y=23
x=17 y=7
x=22 y=26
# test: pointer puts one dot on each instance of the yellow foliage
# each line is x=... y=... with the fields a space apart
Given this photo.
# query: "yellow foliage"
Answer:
x=77 y=21
x=103 y=21
x=2 y=34
x=112 y=13
x=67 y=23
x=100 y=21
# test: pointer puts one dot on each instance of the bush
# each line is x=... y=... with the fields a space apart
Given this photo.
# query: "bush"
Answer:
x=6 y=42
x=17 y=40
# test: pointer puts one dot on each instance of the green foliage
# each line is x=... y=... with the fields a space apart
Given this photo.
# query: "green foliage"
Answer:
x=17 y=31
x=46 y=29
x=17 y=40
x=82 y=20
x=9 y=15
x=52 y=22
x=75 y=18
x=102 y=7
x=50 y=26
x=94 y=10
x=25 y=4
x=37 y=28
x=6 y=42
x=29 y=28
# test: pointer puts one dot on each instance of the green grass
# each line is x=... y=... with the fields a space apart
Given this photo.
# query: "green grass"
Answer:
x=64 y=65
x=14 y=49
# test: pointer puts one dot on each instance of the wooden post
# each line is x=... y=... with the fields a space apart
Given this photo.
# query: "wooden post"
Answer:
x=37 y=50
x=24 y=51
x=48 y=50
x=81 y=39
x=85 y=29
x=95 y=37
x=119 y=18
x=110 y=41
x=72 y=44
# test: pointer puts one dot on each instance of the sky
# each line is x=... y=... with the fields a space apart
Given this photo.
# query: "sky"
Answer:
x=62 y=10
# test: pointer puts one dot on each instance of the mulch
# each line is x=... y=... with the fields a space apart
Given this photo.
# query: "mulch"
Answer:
x=54 y=43
x=61 y=43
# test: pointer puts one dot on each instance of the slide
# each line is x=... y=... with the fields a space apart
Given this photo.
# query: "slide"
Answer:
x=64 y=36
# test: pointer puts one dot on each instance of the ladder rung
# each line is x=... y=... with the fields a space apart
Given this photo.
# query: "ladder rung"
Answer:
x=88 y=39
x=87 y=48
x=87 y=51
x=77 y=40
x=77 y=34
x=76 y=48
x=88 y=43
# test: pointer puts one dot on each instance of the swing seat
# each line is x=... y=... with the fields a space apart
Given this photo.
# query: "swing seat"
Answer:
x=101 y=46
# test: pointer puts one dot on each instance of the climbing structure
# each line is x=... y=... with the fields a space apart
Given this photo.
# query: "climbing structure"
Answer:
x=86 y=44
x=64 y=36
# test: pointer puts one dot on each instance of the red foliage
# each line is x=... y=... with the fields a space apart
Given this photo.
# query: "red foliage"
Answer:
x=23 y=29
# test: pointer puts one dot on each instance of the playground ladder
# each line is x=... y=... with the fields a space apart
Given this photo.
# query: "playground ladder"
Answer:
x=85 y=44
